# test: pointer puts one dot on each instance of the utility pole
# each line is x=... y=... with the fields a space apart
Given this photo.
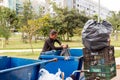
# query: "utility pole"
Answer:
x=99 y=11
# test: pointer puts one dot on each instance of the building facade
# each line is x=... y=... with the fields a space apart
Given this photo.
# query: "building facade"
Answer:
x=60 y=4
x=88 y=6
x=12 y=4
x=91 y=8
x=4 y=3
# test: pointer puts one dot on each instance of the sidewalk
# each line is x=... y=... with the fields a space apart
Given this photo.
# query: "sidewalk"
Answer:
x=22 y=50
x=118 y=69
x=117 y=61
x=28 y=50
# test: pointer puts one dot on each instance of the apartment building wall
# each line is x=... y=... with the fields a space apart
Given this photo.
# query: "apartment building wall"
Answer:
x=4 y=3
x=88 y=6
x=91 y=8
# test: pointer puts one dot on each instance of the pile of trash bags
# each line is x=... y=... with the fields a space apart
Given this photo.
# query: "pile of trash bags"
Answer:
x=96 y=36
x=45 y=75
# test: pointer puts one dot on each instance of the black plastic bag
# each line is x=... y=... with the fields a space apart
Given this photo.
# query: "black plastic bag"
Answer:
x=65 y=52
x=95 y=36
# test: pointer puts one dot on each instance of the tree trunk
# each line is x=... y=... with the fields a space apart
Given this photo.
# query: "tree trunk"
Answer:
x=116 y=35
x=30 y=41
x=35 y=38
x=6 y=42
x=67 y=36
x=2 y=43
x=63 y=37
x=24 y=38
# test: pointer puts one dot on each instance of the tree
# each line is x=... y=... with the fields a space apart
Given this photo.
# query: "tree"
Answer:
x=26 y=15
x=66 y=21
x=30 y=29
x=115 y=21
x=45 y=20
x=33 y=26
x=74 y=20
x=7 y=21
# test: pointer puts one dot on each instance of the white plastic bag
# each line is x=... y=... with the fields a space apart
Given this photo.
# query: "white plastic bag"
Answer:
x=45 y=75
x=68 y=78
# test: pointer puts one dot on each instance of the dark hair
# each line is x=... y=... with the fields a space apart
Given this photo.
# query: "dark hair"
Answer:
x=53 y=32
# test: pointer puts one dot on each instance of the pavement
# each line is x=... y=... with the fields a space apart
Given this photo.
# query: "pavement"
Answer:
x=117 y=61
x=118 y=75
x=118 y=69
x=29 y=50
x=22 y=50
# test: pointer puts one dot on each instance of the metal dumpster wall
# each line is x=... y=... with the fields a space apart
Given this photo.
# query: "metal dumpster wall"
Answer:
x=15 y=62
x=27 y=73
x=4 y=62
x=76 y=52
x=66 y=66
x=19 y=69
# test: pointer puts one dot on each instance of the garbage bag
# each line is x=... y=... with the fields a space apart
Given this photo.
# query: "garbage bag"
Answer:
x=65 y=52
x=45 y=75
x=96 y=35
x=68 y=78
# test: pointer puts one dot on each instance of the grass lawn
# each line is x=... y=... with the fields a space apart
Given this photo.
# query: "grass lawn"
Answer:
x=15 y=42
x=29 y=55
x=117 y=53
x=36 y=54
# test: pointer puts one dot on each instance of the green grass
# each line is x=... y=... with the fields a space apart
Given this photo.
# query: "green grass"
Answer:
x=117 y=53
x=114 y=42
x=29 y=55
x=15 y=42
x=36 y=54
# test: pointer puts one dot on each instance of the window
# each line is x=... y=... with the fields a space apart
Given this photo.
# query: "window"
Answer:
x=94 y=11
x=87 y=8
x=74 y=1
x=43 y=7
x=77 y=10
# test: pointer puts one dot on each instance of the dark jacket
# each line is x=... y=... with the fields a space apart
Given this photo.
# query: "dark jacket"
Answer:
x=49 y=45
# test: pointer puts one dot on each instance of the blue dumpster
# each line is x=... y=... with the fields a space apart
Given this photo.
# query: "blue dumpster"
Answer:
x=67 y=66
x=12 y=68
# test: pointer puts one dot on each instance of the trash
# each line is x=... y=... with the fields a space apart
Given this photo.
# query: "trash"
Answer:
x=67 y=66
x=96 y=36
x=45 y=75
x=68 y=78
x=57 y=75
x=65 y=52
